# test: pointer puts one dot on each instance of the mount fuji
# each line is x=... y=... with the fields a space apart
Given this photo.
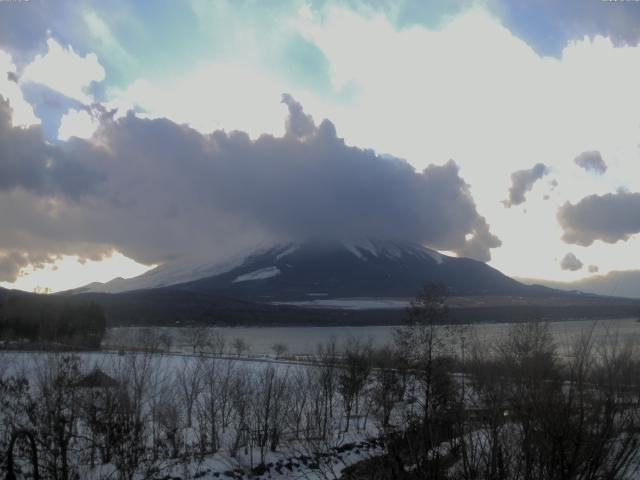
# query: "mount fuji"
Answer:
x=313 y=272
x=314 y=283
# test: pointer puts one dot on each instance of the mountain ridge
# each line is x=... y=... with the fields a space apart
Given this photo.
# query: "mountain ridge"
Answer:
x=300 y=271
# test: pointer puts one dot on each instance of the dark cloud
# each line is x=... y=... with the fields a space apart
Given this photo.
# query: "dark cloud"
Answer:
x=299 y=125
x=522 y=181
x=10 y=265
x=479 y=245
x=12 y=262
x=28 y=161
x=549 y=25
x=570 y=262
x=610 y=218
x=591 y=161
x=26 y=25
x=594 y=269
x=155 y=190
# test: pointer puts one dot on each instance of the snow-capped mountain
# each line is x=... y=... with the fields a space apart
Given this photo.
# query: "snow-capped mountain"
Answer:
x=313 y=272
x=172 y=273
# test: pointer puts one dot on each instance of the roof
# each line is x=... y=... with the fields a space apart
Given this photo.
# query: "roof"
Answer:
x=97 y=379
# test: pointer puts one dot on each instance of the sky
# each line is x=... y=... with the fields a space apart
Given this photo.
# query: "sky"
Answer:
x=133 y=134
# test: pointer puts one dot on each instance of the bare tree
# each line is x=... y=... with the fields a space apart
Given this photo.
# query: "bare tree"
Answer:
x=216 y=342
x=171 y=421
x=214 y=402
x=55 y=414
x=353 y=377
x=279 y=349
x=188 y=380
x=424 y=344
x=269 y=409
x=195 y=337
x=132 y=420
x=388 y=386
x=327 y=377
x=241 y=395
x=239 y=345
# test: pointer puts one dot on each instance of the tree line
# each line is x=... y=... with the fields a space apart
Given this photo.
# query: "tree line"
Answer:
x=50 y=321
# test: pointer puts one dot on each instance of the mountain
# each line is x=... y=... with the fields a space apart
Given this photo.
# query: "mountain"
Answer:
x=363 y=283
x=313 y=272
x=621 y=283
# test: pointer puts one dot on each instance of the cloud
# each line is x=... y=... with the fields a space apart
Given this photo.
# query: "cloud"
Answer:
x=522 y=182
x=548 y=25
x=64 y=71
x=591 y=161
x=27 y=161
x=11 y=264
x=299 y=125
x=155 y=190
x=570 y=262
x=23 y=114
x=479 y=245
x=594 y=269
x=610 y=218
x=77 y=123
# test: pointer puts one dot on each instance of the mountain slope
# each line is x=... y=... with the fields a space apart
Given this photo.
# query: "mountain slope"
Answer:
x=622 y=283
x=368 y=269
x=354 y=284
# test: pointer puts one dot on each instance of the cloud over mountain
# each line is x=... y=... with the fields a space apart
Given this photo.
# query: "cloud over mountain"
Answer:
x=155 y=190
x=610 y=218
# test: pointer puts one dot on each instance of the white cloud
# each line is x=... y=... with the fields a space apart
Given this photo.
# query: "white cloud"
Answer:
x=77 y=123
x=23 y=115
x=64 y=71
x=219 y=96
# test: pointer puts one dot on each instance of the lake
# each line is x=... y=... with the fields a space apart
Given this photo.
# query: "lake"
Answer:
x=304 y=340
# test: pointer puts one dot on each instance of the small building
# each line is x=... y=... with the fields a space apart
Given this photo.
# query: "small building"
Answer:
x=97 y=379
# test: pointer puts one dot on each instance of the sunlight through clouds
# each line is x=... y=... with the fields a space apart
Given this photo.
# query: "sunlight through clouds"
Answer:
x=64 y=71
x=71 y=272
x=77 y=123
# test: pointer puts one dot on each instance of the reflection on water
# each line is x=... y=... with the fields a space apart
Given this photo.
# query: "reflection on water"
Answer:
x=303 y=340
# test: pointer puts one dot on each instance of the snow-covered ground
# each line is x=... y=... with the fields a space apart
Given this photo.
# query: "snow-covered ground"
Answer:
x=170 y=374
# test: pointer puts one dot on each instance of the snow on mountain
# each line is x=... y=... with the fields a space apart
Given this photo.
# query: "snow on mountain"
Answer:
x=370 y=248
x=258 y=274
x=180 y=271
x=295 y=266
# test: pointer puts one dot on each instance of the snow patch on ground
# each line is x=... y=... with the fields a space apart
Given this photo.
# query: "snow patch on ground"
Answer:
x=261 y=274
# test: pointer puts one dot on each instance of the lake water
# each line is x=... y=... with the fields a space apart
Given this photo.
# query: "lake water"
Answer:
x=304 y=340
